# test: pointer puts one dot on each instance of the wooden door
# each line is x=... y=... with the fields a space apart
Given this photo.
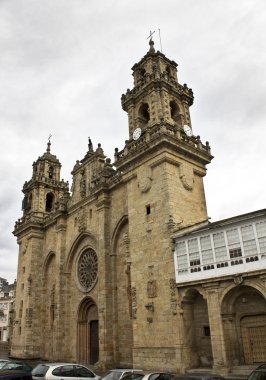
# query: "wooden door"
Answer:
x=254 y=338
x=94 y=342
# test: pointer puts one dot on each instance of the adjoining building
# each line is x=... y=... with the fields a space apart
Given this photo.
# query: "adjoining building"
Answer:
x=7 y=300
x=221 y=278
x=121 y=270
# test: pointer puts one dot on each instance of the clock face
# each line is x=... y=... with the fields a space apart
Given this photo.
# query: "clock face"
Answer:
x=136 y=133
x=188 y=130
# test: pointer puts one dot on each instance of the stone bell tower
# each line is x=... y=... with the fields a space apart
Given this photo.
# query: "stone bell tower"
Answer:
x=45 y=190
x=44 y=204
x=157 y=96
x=163 y=164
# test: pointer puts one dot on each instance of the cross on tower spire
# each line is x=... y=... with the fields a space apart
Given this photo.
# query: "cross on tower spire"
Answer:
x=150 y=35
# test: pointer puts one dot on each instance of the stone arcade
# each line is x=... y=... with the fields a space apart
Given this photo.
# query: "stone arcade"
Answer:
x=97 y=270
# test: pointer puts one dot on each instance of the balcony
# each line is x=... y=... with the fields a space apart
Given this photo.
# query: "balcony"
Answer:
x=213 y=252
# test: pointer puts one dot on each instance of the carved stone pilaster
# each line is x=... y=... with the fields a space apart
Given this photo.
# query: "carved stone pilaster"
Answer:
x=29 y=315
x=82 y=220
x=134 y=302
x=173 y=299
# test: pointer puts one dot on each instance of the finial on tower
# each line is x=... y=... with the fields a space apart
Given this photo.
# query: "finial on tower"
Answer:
x=151 y=42
x=49 y=144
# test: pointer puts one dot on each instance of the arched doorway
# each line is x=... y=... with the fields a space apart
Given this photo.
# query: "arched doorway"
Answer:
x=88 y=332
x=197 y=349
x=244 y=316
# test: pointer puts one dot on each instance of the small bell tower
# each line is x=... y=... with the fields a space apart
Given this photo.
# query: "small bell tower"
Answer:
x=156 y=96
x=45 y=191
x=45 y=204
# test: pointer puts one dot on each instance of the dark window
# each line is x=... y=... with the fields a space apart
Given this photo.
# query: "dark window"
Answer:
x=235 y=252
x=161 y=376
x=194 y=262
x=66 y=371
x=206 y=331
x=133 y=376
x=144 y=113
x=83 y=372
x=148 y=209
x=51 y=172
x=57 y=371
x=49 y=202
x=175 y=113
x=40 y=370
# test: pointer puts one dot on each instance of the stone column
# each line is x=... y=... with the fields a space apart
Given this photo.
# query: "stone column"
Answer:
x=105 y=305
x=216 y=327
x=32 y=304
x=61 y=295
x=189 y=355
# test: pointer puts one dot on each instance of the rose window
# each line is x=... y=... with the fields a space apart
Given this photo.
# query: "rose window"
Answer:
x=87 y=269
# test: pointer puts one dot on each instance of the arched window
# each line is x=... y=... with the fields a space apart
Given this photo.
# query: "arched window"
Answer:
x=49 y=202
x=21 y=309
x=144 y=113
x=175 y=111
x=51 y=172
x=29 y=205
x=168 y=71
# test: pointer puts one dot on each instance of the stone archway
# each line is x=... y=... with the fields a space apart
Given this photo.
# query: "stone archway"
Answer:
x=197 y=348
x=88 y=332
x=244 y=324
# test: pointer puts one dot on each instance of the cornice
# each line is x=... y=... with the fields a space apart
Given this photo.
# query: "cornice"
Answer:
x=136 y=151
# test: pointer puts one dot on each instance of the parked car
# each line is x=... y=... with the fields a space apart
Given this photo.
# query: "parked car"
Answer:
x=198 y=376
x=117 y=374
x=54 y=371
x=135 y=375
x=158 y=376
x=3 y=362
x=17 y=365
x=258 y=373
x=140 y=375
x=11 y=374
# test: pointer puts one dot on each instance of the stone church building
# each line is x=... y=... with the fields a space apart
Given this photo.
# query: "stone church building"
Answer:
x=107 y=271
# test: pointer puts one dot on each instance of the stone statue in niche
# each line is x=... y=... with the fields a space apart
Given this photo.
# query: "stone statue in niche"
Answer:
x=145 y=180
x=186 y=175
x=82 y=220
x=152 y=289
x=24 y=247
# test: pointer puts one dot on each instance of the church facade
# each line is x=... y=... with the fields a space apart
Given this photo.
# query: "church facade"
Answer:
x=98 y=266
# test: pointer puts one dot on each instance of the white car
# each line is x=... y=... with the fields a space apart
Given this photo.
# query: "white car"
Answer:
x=148 y=376
x=3 y=362
x=136 y=374
x=63 y=371
x=117 y=374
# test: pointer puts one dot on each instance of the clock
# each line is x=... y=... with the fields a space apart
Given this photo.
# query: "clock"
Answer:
x=136 y=133
x=188 y=130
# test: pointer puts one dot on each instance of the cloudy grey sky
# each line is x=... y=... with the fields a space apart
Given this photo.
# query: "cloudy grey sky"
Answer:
x=65 y=63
